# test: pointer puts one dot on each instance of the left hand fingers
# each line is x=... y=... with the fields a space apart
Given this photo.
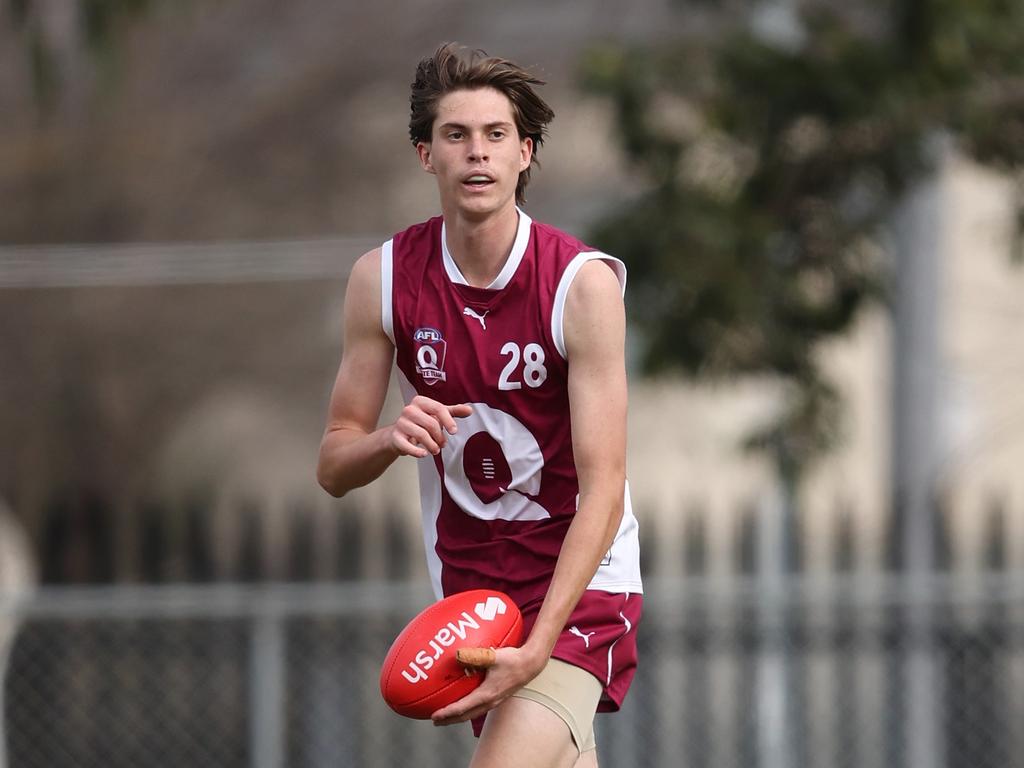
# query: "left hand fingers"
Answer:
x=490 y=694
x=468 y=708
x=511 y=670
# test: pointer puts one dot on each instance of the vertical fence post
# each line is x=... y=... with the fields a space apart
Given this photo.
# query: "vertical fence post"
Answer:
x=266 y=689
x=775 y=678
x=17 y=578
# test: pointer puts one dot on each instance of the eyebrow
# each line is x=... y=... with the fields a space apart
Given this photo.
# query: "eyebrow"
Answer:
x=461 y=127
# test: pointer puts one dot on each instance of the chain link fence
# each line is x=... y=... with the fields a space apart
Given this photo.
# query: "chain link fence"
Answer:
x=814 y=674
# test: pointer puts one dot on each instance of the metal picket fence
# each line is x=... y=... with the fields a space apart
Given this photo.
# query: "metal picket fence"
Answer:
x=732 y=675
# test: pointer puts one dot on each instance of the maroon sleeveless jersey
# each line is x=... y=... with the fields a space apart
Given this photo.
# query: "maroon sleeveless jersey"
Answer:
x=498 y=500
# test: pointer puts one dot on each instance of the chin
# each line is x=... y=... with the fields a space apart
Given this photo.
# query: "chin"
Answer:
x=489 y=203
x=479 y=206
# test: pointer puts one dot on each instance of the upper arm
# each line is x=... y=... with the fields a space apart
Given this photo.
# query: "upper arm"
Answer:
x=367 y=354
x=595 y=332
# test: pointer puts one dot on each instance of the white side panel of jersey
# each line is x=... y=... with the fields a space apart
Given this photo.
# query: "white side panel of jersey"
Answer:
x=387 y=317
x=430 y=499
x=620 y=570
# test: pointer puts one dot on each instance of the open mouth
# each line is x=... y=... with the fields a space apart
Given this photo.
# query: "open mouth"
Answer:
x=477 y=182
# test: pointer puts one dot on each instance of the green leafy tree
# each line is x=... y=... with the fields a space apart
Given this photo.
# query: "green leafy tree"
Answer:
x=770 y=172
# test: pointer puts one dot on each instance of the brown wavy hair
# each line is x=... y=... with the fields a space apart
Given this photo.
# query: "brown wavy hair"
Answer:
x=454 y=68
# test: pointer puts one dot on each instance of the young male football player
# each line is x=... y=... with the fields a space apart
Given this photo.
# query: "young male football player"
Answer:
x=508 y=336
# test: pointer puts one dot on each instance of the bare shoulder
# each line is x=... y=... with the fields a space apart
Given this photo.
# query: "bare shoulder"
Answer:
x=594 y=311
x=595 y=282
x=366 y=271
x=362 y=295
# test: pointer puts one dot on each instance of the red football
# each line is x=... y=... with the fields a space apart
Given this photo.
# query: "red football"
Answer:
x=420 y=674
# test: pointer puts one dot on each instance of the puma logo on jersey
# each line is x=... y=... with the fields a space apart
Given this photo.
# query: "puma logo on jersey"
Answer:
x=472 y=313
x=585 y=636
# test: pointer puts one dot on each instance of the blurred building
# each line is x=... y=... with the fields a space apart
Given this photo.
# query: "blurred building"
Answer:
x=160 y=405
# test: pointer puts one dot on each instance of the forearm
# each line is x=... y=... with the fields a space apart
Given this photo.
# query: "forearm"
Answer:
x=588 y=539
x=351 y=458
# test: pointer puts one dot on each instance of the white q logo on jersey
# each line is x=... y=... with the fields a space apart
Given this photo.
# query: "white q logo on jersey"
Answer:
x=427 y=358
x=525 y=463
x=430 y=354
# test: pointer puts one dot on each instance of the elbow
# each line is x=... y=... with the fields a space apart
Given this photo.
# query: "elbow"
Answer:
x=335 y=490
x=329 y=480
x=332 y=490
x=329 y=486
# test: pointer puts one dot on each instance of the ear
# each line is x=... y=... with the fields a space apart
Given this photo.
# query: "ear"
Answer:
x=525 y=153
x=423 y=153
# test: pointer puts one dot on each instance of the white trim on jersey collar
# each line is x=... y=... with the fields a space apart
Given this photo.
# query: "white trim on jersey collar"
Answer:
x=511 y=264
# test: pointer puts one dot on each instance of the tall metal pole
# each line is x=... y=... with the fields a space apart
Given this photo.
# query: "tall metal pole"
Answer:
x=776 y=23
x=916 y=454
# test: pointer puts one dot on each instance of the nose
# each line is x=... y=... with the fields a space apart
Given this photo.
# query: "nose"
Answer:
x=478 y=149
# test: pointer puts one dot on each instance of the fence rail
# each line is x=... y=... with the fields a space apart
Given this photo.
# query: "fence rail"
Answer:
x=732 y=673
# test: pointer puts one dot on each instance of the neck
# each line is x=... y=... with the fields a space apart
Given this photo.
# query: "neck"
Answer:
x=480 y=247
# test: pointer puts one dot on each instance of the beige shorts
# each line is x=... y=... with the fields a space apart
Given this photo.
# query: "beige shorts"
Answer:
x=572 y=694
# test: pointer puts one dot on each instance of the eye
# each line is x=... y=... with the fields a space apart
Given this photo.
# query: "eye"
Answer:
x=497 y=134
x=455 y=135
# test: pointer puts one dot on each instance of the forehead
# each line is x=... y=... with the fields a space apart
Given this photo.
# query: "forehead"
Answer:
x=479 y=106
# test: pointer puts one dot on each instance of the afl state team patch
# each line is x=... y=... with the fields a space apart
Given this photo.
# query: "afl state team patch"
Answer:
x=430 y=350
